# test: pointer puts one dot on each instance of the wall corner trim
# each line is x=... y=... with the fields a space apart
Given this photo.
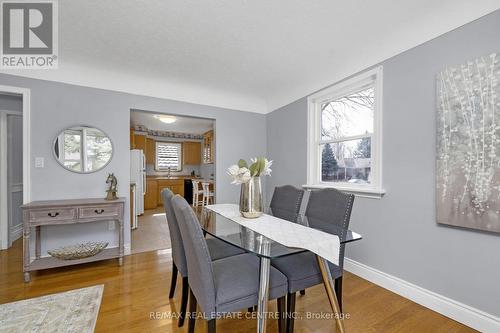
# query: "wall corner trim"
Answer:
x=465 y=314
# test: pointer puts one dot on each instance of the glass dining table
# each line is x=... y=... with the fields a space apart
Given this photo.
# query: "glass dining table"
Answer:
x=229 y=231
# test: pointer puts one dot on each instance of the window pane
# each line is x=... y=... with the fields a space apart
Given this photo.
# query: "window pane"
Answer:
x=346 y=161
x=168 y=155
x=72 y=150
x=98 y=149
x=348 y=115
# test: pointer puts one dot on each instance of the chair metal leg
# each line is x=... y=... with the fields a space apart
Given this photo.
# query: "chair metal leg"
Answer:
x=173 y=282
x=184 y=301
x=302 y=292
x=338 y=291
x=281 y=302
x=263 y=295
x=192 y=312
x=211 y=327
x=290 y=312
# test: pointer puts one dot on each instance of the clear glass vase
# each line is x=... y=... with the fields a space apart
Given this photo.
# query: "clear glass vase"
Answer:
x=251 y=205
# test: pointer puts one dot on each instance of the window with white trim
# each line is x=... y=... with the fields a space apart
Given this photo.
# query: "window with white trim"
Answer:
x=344 y=145
x=168 y=156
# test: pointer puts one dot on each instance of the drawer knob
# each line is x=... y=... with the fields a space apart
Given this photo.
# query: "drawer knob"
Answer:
x=99 y=211
x=53 y=214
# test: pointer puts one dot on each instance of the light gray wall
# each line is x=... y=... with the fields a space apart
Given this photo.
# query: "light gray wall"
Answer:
x=287 y=145
x=400 y=233
x=55 y=106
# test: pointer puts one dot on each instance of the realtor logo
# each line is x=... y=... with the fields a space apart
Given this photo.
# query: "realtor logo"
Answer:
x=29 y=35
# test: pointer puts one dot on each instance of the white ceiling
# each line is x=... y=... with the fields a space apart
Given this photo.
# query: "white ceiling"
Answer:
x=253 y=55
x=188 y=125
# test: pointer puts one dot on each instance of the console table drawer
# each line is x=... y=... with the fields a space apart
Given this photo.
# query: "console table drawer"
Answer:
x=98 y=211
x=55 y=214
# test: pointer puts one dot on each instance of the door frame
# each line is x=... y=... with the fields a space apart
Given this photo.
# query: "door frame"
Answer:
x=4 y=219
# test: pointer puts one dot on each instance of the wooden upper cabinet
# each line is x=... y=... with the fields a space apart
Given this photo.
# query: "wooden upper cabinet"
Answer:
x=150 y=151
x=191 y=153
x=140 y=142
x=147 y=145
x=208 y=147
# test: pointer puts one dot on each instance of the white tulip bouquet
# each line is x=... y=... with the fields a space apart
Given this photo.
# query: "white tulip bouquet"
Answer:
x=241 y=173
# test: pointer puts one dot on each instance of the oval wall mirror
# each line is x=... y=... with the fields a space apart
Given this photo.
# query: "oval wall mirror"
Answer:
x=83 y=149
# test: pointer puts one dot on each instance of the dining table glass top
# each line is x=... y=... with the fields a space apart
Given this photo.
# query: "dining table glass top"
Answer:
x=231 y=232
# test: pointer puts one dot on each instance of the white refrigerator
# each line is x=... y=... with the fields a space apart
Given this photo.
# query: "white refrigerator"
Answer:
x=138 y=175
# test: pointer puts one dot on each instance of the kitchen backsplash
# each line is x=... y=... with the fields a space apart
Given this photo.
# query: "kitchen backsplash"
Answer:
x=207 y=171
x=186 y=170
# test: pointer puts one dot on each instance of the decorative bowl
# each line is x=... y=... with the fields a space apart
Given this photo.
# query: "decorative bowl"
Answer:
x=78 y=251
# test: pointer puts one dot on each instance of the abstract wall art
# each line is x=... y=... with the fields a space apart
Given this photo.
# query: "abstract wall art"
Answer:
x=468 y=144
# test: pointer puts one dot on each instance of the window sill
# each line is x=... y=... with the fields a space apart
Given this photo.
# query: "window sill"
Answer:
x=359 y=192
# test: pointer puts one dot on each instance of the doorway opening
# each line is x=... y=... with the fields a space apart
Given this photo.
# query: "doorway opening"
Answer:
x=11 y=168
x=167 y=151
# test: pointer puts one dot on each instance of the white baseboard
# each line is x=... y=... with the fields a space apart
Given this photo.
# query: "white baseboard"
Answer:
x=467 y=315
x=16 y=232
x=127 y=249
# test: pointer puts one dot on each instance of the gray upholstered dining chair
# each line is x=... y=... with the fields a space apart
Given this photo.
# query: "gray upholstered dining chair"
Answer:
x=286 y=202
x=325 y=208
x=225 y=285
x=218 y=249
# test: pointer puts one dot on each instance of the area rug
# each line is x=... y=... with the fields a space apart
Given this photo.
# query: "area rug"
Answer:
x=71 y=311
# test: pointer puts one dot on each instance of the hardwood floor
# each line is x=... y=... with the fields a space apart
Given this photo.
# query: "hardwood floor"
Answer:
x=140 y=287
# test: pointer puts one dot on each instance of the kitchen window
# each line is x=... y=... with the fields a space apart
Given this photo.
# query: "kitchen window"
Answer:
x=168 y=156
x=344 y=136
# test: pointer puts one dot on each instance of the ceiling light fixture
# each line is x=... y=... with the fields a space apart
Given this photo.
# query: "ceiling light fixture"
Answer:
x=166 y=119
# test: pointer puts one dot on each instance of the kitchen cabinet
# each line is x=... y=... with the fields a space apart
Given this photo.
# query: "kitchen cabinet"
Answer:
x=132 y=138
x=150 y=151
x=147 y=145
x=140 y=142
x=151 y=196
x=208 y=147
x=155 y=185
x=191 y=153
x=175 y=185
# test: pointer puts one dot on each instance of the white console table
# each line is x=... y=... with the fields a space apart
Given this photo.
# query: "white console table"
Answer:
x=65 y=212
